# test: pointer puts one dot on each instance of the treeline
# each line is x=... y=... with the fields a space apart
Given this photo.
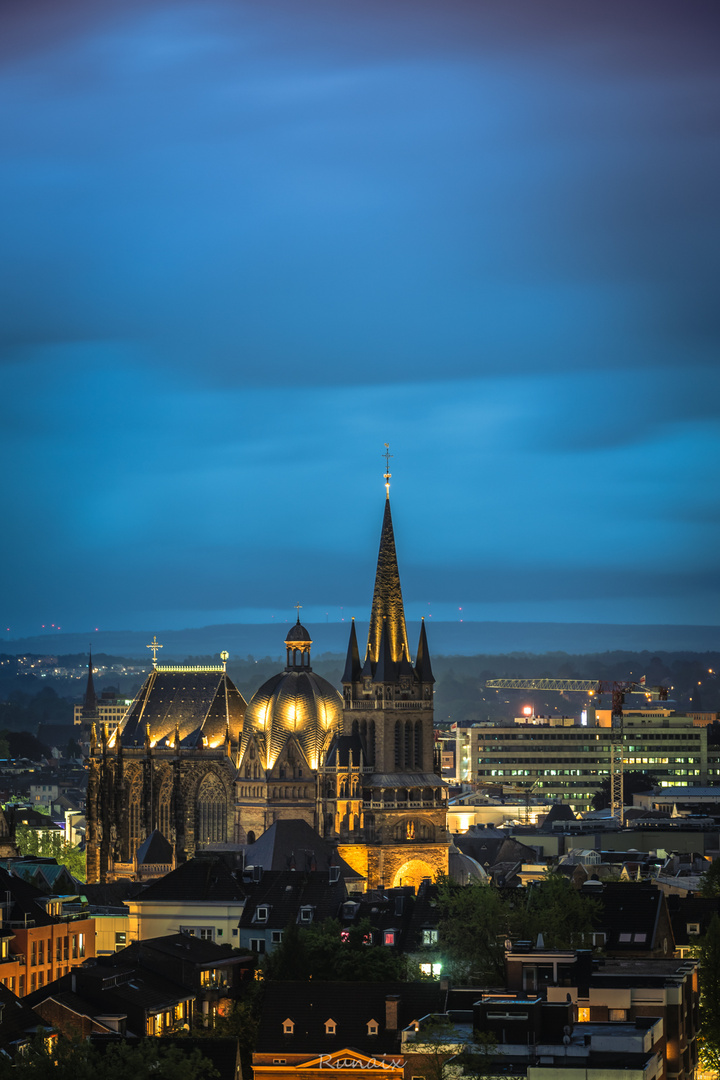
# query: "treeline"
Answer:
x=461 y=694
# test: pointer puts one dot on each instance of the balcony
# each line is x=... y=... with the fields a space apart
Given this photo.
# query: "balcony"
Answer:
x=371 y=703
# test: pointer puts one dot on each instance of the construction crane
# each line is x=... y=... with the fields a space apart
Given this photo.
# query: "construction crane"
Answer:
x=592 y=687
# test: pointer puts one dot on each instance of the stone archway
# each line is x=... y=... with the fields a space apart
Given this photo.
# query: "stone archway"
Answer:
x=412 y=873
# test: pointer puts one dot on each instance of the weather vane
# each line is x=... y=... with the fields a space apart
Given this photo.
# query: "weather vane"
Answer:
x=387 y=455
x=154 y=645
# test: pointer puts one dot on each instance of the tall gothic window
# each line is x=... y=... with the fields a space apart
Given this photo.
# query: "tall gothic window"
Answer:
x=134 y=816
x=211 y=811
x=398 y=745
x=408 y=745
x=418 y=745
x=164 y=804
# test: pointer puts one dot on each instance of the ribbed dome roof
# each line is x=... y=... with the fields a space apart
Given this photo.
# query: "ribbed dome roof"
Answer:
x=299 y=633
x=294 y=702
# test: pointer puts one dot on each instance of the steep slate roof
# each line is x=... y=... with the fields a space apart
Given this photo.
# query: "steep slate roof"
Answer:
x=285 y=892
x=293 y=844
x=26 y=900
x=633 y=917
x=200 y=703
x=204 y=878
x=192 y=949
x=18 y=1022
x=155 y=849
x=351 y=1005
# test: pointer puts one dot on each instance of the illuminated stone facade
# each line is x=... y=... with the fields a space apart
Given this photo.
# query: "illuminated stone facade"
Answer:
x=170 y=767
x=381 y=792
x=193 y=762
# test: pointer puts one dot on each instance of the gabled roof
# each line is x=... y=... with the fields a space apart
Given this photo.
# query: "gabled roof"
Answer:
x=351 y=1005
x=291 y=843
x=632 y=917
x=155 y=849
x=206 y=878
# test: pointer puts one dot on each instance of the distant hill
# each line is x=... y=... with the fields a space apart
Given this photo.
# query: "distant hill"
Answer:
x=445 y=638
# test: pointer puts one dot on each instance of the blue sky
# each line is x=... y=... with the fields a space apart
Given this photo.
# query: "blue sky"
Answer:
x=247 y=244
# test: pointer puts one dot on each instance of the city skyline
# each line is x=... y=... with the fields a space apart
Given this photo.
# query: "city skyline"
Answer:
x=247 y=247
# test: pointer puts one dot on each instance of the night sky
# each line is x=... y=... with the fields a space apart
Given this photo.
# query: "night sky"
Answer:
x=246 y=244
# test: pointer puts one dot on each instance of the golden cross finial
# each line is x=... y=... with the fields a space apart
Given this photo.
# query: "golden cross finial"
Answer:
x=154 y=645
x=387 y=455
x=297 y=608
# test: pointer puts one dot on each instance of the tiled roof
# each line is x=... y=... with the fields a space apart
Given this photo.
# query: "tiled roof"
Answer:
x=204 y=878
x=293 y=844
x=285 y=892
x=351 y=1005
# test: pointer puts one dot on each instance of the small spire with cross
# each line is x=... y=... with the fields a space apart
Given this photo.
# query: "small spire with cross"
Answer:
x=154 y=645
x=297 y=608
x=387 y=455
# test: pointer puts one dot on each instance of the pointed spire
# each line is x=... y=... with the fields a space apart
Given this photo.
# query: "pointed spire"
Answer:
x=387 y=598
x=423 y=667
x=386 y=669
x=90 y=702
x=352 y=664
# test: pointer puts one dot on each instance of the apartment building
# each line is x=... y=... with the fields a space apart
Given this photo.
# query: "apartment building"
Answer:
x=567 y=761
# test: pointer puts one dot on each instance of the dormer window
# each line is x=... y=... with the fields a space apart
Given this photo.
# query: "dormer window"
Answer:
x=693 y=928
x=261 y=913
x=372 y=1027
x=306 y=913
x=329 y=1027
x=389 y=937
x=288 y=1027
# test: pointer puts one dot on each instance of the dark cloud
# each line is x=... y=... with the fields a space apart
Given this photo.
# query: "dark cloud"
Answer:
x=245 y=245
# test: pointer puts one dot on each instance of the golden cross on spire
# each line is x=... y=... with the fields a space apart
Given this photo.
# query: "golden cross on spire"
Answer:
x=387 y=455
x=154 y=645
x=297 y=608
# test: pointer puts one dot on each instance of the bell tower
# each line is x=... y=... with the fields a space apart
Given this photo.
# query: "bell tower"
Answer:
x=388 y=707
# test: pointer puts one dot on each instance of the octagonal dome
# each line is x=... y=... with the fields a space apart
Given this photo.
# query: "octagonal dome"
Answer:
x=294 y=702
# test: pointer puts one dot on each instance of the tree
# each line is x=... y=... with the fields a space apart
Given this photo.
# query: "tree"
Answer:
x=709 y=1035
x=474 y=922
x=330 y=952
x=554 y=908
x=51 y=844
x=441 y=1049
x=710 y=880
x=633 y=783
x=62 y=1059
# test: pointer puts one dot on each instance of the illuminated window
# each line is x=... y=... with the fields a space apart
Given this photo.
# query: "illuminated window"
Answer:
x=583 y=1016
x=389 y=937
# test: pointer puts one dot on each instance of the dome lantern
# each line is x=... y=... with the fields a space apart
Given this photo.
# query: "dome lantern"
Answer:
x=297 y=645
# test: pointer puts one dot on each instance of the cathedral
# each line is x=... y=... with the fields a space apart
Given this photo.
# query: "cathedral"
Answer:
x=193 y=768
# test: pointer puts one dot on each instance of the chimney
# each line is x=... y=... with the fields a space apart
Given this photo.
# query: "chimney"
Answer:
x=392 y=1001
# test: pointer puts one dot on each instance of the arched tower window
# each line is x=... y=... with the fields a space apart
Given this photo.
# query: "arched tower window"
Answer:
x=408 y=744
x=398 y=745
x=211 y=811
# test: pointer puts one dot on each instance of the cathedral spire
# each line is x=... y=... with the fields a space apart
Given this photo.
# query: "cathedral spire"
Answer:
x=422 y=662
x=387 y=598
x=352 y=663
x=90 y=702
